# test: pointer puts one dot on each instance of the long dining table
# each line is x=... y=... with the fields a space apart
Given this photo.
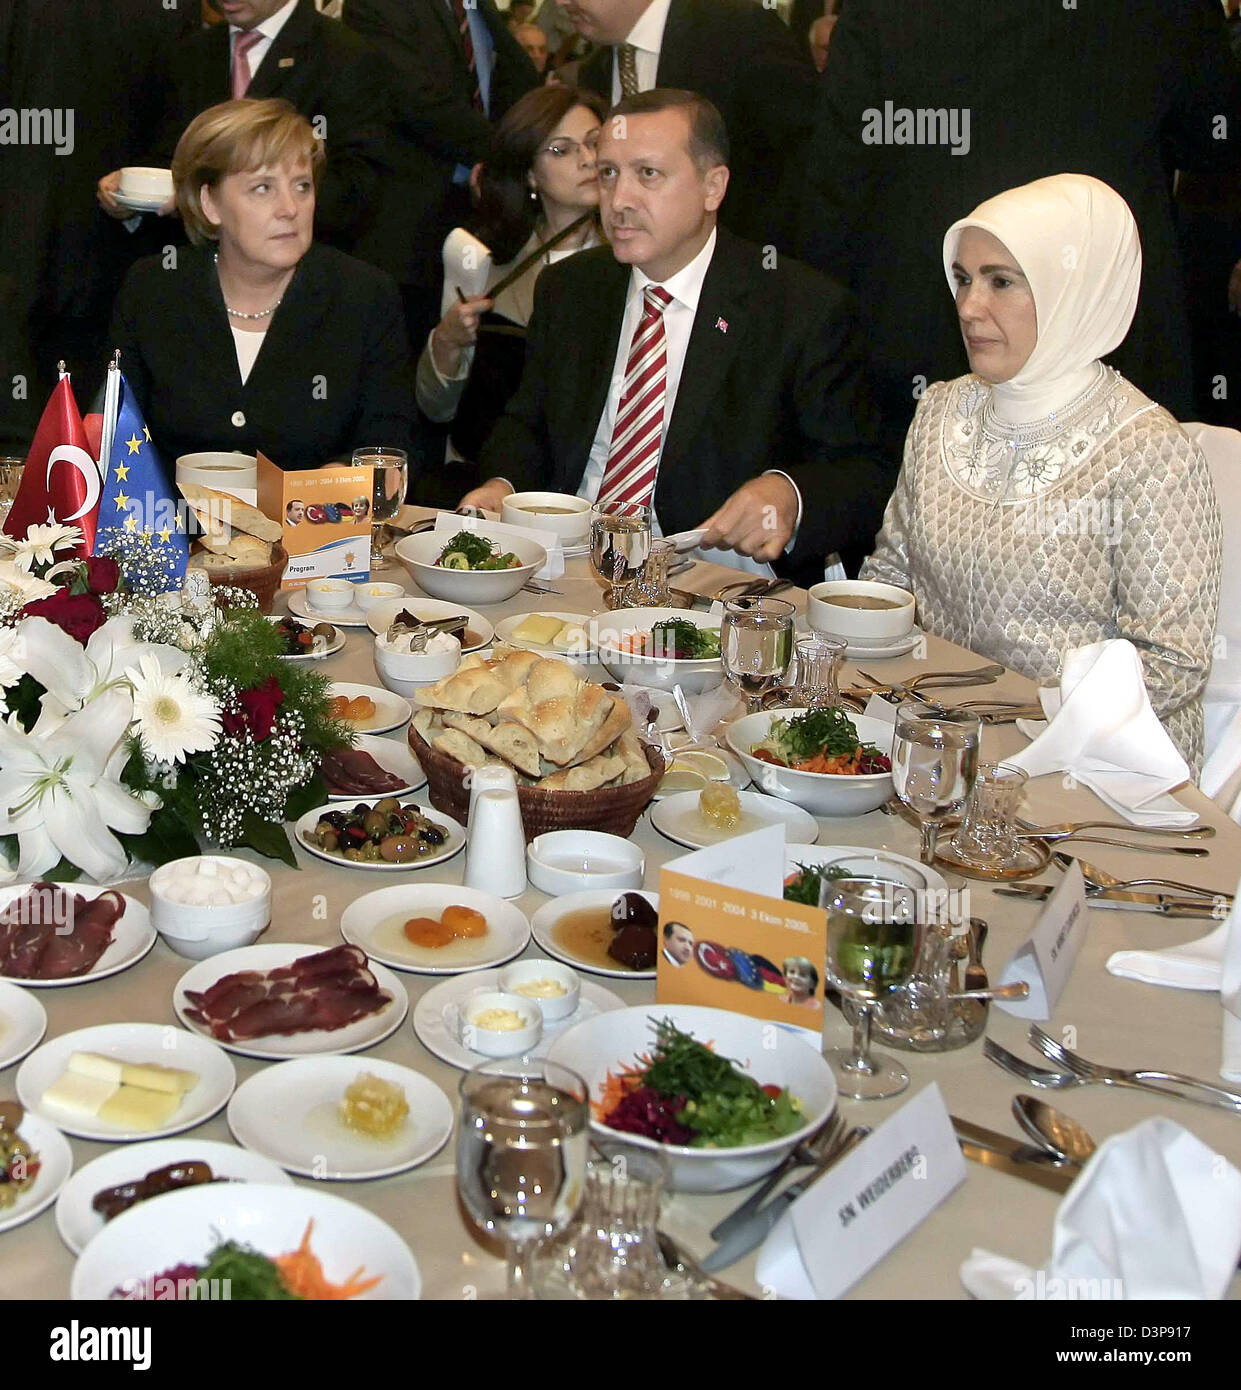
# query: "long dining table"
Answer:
x=1116 y=1021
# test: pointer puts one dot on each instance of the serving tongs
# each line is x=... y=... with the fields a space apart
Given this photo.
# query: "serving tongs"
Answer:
x=418 y=631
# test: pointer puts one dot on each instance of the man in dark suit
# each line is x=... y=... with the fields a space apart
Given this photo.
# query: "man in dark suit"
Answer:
x=680 y=367
x=1021 y=89
x=743 y=59
x=450 y=86
x=281 y=48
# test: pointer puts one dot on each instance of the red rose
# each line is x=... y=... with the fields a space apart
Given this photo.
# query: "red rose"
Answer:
x=103 y=574
x=257 y=716
x=78 y=614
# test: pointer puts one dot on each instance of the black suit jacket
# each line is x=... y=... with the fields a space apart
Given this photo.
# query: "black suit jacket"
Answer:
x=742 y=57
x=330 y=75
x=333 y=373
x=435 y=126
x=772 y=378
x=1097 y=89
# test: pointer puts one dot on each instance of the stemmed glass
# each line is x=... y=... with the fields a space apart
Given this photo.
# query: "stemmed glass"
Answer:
x=873 y=942
x=391 y=481
x=620 y=541
x=756 y=646
x=521 y=1153
x=934 y=763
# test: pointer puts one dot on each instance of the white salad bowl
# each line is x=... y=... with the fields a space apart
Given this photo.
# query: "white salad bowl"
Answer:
x=820 y=793
x=419 y=553
x=772 y=1055
x=662 y=672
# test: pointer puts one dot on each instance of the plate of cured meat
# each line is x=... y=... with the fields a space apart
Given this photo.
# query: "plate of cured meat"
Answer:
x=374 y=766
x=280 y=1000
x=54 y=934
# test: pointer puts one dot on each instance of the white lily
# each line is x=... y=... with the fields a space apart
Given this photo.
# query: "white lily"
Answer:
x=11 y=667
x=61 y=793
x=75 y=675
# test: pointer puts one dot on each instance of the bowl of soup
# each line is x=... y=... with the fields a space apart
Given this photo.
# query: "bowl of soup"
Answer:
x=860 y=610
x=561 y=512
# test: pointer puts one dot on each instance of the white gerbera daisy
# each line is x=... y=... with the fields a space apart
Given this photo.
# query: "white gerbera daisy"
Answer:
x=40 y=543
x=11 y=668
x=170 y=716
x=16 y=584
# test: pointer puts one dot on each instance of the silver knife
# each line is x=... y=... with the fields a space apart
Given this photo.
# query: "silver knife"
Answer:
x=754 y=1231
x=1012 y=1156
x=1127 y=901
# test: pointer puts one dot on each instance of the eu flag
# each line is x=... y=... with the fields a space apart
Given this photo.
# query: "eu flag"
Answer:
x=137 y=499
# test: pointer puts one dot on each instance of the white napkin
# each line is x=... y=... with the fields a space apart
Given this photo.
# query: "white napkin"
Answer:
x=1155 y=1214
x=1194 y=965
x=500 y=531
x=1230 y=995
x=1103 y=731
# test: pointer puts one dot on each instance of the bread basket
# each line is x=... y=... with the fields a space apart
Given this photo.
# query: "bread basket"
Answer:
x=611 y=809
x=262 y=582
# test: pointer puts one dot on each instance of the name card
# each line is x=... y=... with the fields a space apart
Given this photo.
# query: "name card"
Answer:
x=879 y=708
x=866 y=1205
x=1046 y=960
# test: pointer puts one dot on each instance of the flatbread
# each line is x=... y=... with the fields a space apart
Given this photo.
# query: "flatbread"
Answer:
x=208 y=504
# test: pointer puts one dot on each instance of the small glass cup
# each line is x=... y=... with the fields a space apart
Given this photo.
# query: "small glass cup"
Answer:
x=988 y=832
x=11 y=470
x=818 y=665
x=390 y=484
x=651 y=589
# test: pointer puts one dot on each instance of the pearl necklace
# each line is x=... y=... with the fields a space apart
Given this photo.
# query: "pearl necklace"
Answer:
x=237 y=313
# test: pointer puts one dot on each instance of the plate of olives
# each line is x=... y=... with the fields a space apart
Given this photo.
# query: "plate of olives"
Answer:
x=303 y=641
x=386 y=835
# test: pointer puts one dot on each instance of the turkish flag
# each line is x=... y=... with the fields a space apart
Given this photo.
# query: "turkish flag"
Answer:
x=61 y=481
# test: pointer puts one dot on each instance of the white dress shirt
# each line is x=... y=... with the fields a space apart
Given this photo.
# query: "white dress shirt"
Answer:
x=647 y=37
x=269 y=28
x=248 y=346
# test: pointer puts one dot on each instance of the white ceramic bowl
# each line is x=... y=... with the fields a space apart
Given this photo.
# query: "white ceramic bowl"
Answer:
x=860 y=624
x=138 y=182
x=404 y=672
x=368 y=596
x=820 y=793
x=572 y=526
x=660 y=672
x=183 y=1227
x=772 y=1055
x=201 y=930
x=522 y=972
x=419 y=553
x=492 y=1042
x=330 y=595
x=233 y=473
x=572 y=861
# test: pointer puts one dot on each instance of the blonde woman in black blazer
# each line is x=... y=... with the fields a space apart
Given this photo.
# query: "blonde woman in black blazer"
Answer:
x=257 y=339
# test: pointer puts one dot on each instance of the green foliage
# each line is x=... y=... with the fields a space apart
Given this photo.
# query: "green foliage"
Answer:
x=267 y=839
x=23 y=699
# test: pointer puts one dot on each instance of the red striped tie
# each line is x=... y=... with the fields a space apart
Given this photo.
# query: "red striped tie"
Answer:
x=471 y=63
x=633 y=458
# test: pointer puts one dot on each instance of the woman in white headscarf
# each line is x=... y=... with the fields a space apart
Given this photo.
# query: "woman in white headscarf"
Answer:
x=1044 y=502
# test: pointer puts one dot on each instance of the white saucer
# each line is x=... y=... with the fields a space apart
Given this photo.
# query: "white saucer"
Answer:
x=132 y=937
x=393 y=756
x=543 y=926
x=379 y=619
x=300 y=607
x=437 y=1017
x=391 y=711
x=328 y=649
x=288 y=1114
x=876 y=651
x=23 y=1021
x=453 y=843
x=677 y=818
x=363 y=924
x=507 y=626
x=137 y=203
x=56 y=1163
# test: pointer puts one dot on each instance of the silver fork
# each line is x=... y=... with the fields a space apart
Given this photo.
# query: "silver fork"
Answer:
x=1047 y=1080
x=1220 y=1097
x=540 y=586
x=818 y=1148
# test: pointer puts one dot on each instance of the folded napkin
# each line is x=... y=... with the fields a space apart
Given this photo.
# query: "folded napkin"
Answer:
x=1155 y=1214
x=1103 y=732
x=1195 y=965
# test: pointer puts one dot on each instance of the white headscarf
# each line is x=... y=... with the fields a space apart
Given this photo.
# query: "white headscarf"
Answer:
x=1077 y=244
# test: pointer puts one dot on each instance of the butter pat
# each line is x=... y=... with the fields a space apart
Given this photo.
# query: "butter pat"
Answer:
x=131 y=1107
x=541 y=989
x=76 y=1094
x=539 y=628
x=500 y=1020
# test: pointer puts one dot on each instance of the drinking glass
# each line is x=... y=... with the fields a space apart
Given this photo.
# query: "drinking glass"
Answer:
x=651 y=589
x=818 y=662
x=934 y=762
x=620 y=540
x=390 y=484
x=521 y=1153
x=10 y=480
x=756 y=646
x=873 y=943
x=988 y=833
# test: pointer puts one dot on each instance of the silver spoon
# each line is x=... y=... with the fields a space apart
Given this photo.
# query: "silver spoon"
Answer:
x=1185 y=851
x=678 y=1259
x=1052 y=1129
x=1100 y=878
x=1071 y=827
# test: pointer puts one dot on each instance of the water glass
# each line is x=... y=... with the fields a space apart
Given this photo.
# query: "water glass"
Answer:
x=988 y=833
x=873 y=944
x=620 y=541
x=818 y=665
x=934 y=762
x=521 y=1153
x=391 y=482
x=756 y=646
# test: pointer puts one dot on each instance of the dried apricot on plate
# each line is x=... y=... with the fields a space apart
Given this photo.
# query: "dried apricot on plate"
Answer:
x=428 y=933
x=360 y=707
x=464 y=921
